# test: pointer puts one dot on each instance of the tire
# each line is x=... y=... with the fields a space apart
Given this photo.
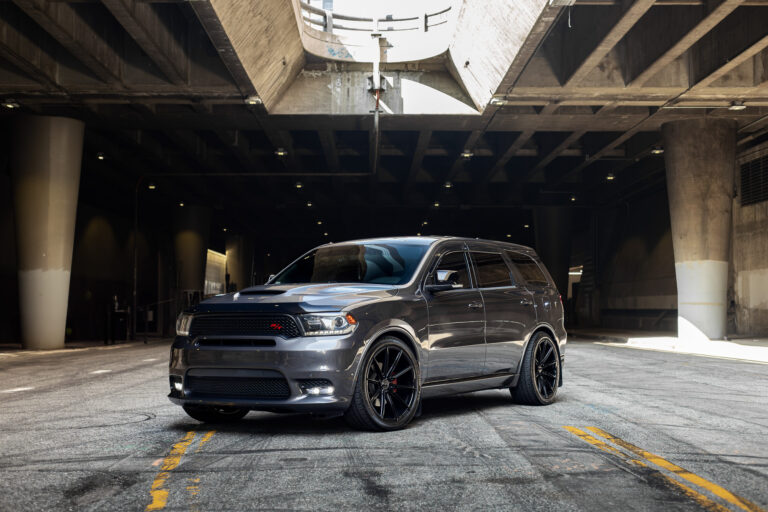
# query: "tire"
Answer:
x=211 y=414
x=539 y=372
x=389 y=370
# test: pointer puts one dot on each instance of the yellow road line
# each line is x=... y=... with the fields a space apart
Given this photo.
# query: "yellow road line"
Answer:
x=158 y=491
x=699 y=498
x=715 y=489
x=207 y=437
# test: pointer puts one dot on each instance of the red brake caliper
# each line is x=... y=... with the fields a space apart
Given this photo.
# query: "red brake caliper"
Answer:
x=394 y=383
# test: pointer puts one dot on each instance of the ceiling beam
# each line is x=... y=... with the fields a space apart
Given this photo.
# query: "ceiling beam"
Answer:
x=418 y=156
x=610 y=40
x=66 y=25
x=709 y=21
x=163 y=44
x=330 y=151
x=518 y=143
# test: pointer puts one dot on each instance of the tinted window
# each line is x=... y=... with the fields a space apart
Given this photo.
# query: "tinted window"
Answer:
x=454 y=261
x=528 y=268
x=355 y=263
x=491 y=270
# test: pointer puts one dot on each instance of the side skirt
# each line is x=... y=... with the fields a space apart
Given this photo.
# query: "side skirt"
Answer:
x=456 y=386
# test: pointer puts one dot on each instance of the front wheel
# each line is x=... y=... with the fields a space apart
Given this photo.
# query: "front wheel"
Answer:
x=539 y=372
x=388 y=388
x=211 y=414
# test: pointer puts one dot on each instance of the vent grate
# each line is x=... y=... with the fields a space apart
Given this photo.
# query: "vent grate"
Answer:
x=754 y=181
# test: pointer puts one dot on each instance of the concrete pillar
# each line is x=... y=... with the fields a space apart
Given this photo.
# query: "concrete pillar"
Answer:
x=239 y=261
x=700 y=156
x=190 y=241
x=553 y=242
x=45 y=168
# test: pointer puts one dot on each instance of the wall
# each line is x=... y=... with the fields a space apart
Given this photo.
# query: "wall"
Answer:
x=9 y=291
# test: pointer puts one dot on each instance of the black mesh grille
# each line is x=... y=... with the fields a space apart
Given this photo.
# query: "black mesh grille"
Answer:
x=252 y=387
x=314 y=383
x=234 y=324
x=754 y=181
x=234 y=342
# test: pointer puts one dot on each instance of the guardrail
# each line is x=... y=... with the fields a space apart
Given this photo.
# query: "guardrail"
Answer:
x=331 y=22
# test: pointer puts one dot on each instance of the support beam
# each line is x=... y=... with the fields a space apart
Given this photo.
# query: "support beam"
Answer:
x=498 y=166
x=611 y=39
x=330 y=151
x=162 y=37
x=709 y=21
x=418 y=156
x=20 y=44
x=66 y=25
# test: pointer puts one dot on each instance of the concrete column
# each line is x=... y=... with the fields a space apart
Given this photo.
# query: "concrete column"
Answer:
x=239 y=261
x=553 y=242
x=45 y=167
x=190 y=241
x=700 y=156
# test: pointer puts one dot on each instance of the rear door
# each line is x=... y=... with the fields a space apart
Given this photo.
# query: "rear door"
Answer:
x=456 y=321
x=509 y=309
x=538 y=281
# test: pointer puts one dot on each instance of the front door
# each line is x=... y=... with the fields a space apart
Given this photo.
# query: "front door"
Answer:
x=456 y=322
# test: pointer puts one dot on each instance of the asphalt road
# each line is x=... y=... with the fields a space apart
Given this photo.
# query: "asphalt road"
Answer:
x=645 y=431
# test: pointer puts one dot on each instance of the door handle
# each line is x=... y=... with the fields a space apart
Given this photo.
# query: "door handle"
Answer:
x=475 y=305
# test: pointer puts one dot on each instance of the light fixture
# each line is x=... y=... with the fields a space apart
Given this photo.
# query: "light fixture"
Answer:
x=424 y=223
x=299 y=184
x=325 y=234
x=737 y=105
x=610 y=176
x=509 y=235
x=418 y=234
x=100 y=155
x=526 y=226
x=224 y=230
x=319 y=223
x=268 y=255
x=448 y=184
x=253 y=100
x=437 y=204
x=467 y=154
x=10 y=104
x=498 y=101
x=280 y=152
x=151 y=186
x=657 y=150
x=309 y=204
x=573 y=198
x=181 y=203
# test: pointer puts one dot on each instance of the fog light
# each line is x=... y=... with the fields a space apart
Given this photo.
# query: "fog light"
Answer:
x=327 y=390
x=316 y=387
x=177 y=385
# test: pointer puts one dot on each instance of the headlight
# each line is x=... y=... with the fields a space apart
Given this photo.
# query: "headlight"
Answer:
x=328 y=324
x=183 y=321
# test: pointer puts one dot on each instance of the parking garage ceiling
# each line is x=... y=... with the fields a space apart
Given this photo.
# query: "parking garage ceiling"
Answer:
x=163 y=88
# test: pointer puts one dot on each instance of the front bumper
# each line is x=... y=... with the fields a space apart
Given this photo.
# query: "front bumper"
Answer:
x=294 y=361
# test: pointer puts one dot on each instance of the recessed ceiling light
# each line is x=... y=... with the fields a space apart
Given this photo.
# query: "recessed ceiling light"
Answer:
x=424 y=223
x=448 y=184
x=418 y=234
x=151 y=186
x=573 y=198
x=100 y=155
x=498 y=101
x=437 y=204
x=10 y=104
x=319 y=223
x=610 y=176
x=467 y=154
x=737 y=105
x=325 y=234
x=224 y=230
x=657 y=150
x=309 y=204
x=181 y=203
x=280 y=152
x=299 y=184
x=509 y=235
x=253 y=100
x=526 y=226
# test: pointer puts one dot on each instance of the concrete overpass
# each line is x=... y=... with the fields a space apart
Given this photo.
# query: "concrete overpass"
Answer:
x=626 y=139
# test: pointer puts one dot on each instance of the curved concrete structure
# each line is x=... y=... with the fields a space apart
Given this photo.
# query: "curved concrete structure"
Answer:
x=45 y=164
x=700 y=156
x=190 y=241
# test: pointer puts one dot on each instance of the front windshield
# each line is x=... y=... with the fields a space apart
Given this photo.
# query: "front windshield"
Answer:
x=386 y=263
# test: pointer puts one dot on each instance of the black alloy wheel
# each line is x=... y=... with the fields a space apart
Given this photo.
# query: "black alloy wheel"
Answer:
x=388 y=390
x=539 y=372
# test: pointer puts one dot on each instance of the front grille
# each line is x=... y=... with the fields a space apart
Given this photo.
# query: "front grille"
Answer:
x=251 y=387
x=244 y=324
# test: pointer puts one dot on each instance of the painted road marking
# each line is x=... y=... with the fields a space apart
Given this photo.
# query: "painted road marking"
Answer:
x=715 y=489
x=158 y=490
x=16 y=390
x=101 y=371
x=149 y=360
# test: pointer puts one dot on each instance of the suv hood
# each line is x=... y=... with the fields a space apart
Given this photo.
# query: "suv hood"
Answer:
x=293 y=299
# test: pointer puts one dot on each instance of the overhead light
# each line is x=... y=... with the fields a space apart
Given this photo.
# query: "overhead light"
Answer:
x=309 y=204
x=498 y=101
x=299 y=184
x=10 y=104
x=657 y=150
x=424 y=223
x=280 y=152
x=268 y=255
x=573 y=198
x=224 y=230
x=467 y=154
x=325 y=234
x=610 y=176
x=100 y=155
x=319 y=223
x=509 y=235
x=253 y=100
x=437 y=204
x=181 y=203
x=448 y=184
x=526 y=226
x=737 y=105
x=151 y=186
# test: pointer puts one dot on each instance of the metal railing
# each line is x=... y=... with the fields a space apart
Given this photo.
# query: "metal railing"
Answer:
x=332 y=22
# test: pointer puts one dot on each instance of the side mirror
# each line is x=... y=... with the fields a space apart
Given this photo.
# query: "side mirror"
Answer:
x=445 y=280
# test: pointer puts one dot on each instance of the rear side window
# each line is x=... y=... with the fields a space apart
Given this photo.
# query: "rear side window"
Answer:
x=528 y=268
x=454 y=261
x=491 y=270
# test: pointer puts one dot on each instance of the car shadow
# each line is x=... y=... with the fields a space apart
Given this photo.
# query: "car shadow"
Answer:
x=258 y=422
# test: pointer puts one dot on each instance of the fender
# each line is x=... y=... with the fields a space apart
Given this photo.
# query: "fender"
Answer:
x=538 y=327
x=393 y=324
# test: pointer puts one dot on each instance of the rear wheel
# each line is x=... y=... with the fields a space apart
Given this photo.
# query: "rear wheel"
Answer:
x=388 y=388
x=212 y=414
x=539 y=372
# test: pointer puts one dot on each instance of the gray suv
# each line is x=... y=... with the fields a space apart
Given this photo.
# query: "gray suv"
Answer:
x=369 y=328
